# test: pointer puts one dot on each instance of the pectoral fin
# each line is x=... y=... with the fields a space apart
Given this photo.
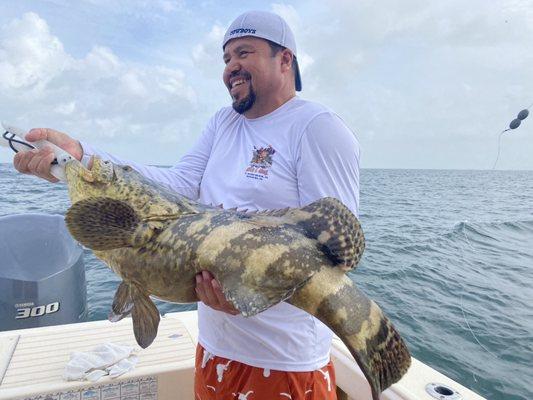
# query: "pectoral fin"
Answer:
x=106 y=224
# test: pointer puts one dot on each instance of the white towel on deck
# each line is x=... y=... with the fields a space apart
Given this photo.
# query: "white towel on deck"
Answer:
x=106 y=359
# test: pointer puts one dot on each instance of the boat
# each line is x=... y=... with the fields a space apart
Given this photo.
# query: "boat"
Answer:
x=32 y=362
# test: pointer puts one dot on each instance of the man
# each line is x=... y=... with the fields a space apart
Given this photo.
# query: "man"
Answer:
x=270 y=150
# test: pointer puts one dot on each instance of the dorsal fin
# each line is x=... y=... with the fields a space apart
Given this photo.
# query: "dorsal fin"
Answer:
x=105 y=224
x=273 y=213
x=333 y=224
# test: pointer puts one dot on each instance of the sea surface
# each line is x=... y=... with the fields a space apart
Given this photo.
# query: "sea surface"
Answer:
x=449 y=258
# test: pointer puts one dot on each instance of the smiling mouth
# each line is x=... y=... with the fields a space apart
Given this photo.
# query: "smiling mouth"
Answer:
x=238 y=82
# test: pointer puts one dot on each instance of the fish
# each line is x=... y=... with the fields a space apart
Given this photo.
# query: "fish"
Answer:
x=157 y=240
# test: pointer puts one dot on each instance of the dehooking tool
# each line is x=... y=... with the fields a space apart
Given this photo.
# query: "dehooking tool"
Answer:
x=15 y=138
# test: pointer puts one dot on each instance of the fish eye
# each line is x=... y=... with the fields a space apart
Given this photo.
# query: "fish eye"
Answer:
x=127 y=168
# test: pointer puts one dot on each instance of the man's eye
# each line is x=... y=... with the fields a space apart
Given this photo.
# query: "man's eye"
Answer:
x=243 y=53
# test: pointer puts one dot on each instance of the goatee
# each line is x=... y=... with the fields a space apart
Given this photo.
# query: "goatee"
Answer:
x=243 y=105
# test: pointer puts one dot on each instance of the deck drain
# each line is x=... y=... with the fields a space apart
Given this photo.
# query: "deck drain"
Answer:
x=442 y=392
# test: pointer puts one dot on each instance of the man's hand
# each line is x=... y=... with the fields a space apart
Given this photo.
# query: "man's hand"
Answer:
x=210 y=293
x=37 y=161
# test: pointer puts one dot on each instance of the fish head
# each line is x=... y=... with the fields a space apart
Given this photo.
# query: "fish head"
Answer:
x=94 y=182
x=121 y=182
x=104 y=179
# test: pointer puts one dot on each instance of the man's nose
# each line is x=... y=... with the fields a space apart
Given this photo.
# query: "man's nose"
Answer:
x=233 y=67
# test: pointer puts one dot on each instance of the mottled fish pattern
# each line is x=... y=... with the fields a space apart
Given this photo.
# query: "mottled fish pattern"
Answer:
x=157 y=241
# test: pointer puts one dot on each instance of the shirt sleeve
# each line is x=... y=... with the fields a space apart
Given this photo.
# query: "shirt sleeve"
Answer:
x=184 y=177
x=328 y=162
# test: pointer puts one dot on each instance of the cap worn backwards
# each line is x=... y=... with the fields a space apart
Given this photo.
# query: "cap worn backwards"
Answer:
x=265 y=25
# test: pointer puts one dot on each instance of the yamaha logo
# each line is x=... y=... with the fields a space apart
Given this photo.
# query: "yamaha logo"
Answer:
x=24 y=312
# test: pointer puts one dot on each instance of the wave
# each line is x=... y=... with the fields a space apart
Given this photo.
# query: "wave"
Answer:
x=495 y=229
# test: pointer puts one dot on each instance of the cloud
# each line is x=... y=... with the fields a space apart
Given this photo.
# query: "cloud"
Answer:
x=132 y=8
x=93 y=97
x=30 y=55
x=291 y=16
x=100 y=62
x=423 y=84
x=207 y=54
x=421 y=74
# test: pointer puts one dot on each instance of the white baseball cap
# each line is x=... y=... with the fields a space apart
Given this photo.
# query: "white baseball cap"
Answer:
x=265 y=25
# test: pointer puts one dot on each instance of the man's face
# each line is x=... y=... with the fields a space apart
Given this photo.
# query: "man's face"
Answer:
x=251 y=73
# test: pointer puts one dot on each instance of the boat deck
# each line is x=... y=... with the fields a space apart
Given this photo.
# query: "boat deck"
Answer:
x=37 y=363
x=32 y=362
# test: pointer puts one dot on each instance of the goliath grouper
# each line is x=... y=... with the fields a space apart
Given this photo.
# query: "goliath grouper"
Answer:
x=157 y=241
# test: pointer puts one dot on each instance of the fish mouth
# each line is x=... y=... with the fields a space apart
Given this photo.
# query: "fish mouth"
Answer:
x=74 y=165
x=75 y=169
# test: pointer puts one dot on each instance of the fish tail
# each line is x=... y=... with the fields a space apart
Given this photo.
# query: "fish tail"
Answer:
x=131 y=298
x=370 y=337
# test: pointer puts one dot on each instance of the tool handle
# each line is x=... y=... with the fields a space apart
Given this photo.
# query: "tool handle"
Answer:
x=21 y=144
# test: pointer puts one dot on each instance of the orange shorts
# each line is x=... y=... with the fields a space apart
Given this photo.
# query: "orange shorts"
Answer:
x=218 y=378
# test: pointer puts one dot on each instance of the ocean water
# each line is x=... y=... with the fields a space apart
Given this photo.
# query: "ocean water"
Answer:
x=449 y=258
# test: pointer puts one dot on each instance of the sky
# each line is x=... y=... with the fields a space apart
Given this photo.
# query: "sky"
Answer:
x=423 y=84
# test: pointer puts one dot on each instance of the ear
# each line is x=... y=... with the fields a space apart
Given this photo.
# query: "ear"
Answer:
x=286 y=60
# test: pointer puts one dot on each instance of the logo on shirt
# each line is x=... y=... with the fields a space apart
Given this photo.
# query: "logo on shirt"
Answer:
x=260 y=163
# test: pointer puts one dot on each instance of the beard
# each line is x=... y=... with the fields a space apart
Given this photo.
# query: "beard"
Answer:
x=244 y=104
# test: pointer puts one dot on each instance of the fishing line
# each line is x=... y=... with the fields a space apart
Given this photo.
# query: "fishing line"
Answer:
x=499 y=147
x=462 y=307
x=515 y=123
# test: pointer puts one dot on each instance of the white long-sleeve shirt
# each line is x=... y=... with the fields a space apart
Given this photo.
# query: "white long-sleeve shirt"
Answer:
x=291 y=157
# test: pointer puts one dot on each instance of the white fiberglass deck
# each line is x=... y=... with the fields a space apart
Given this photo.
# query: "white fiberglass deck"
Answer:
x=34 y=359
x=37 y=364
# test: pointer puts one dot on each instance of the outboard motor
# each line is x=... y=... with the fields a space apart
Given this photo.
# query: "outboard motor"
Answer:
x=42 y=276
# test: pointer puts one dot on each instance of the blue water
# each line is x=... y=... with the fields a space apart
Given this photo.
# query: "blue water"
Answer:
x=449 y=258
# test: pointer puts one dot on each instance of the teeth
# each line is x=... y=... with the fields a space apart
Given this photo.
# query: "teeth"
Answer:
x=237 y=83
